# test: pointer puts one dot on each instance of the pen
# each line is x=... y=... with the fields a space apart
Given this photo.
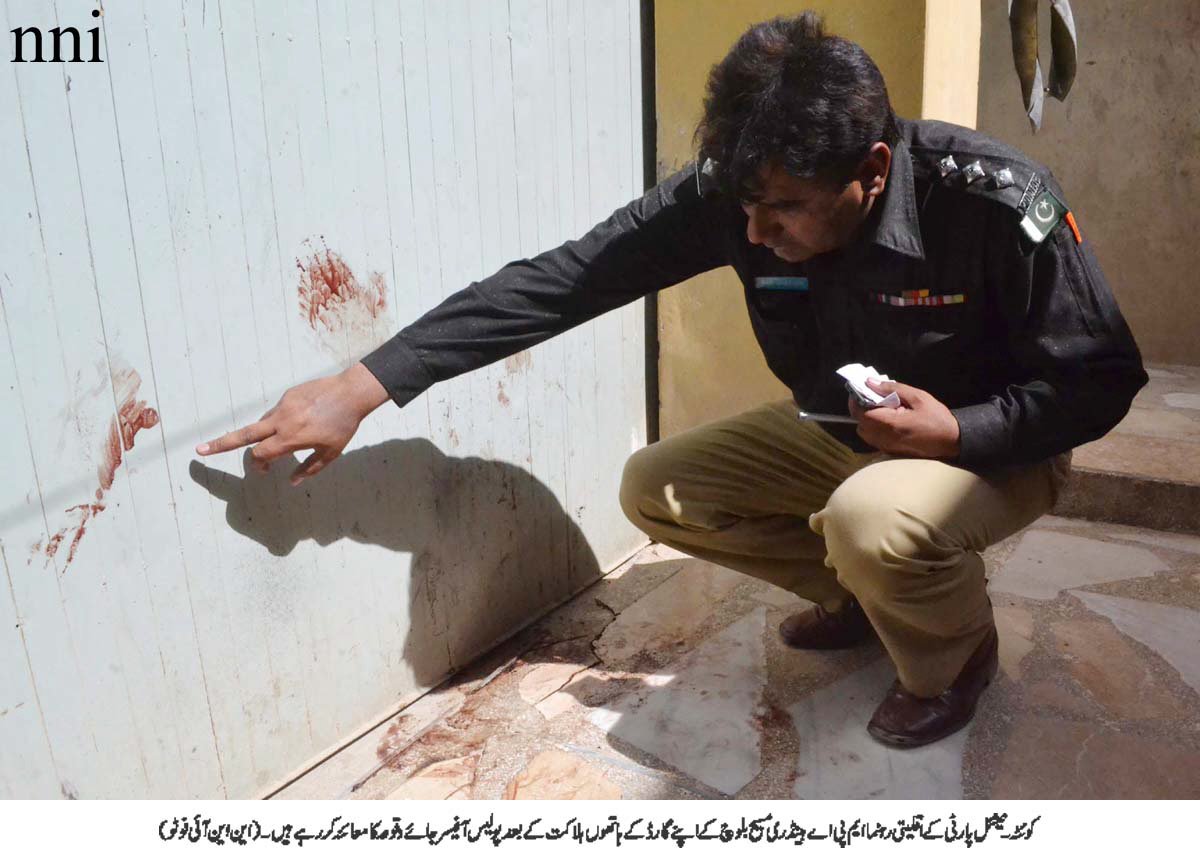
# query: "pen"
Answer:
x=825 y=418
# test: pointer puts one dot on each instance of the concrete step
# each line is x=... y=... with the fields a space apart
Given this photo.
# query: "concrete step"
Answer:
x=1146 y=472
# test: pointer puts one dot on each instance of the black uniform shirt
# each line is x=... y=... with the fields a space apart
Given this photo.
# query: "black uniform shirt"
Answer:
x=972 y=287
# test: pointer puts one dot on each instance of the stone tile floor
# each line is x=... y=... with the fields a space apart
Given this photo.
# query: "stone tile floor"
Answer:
x=666 y=679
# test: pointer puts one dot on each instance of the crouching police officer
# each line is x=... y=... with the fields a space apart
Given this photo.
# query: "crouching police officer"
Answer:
x=944 y=258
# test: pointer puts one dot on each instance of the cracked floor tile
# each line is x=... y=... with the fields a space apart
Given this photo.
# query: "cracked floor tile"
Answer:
x=668 y=614
x=545 y=679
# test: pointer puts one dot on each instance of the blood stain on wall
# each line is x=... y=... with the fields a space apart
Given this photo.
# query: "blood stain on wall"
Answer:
x=85 y=511
x=345 y=313
x=132 y=416
x=514 y=364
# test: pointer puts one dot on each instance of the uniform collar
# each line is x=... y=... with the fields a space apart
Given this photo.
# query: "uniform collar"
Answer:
x=895 y=225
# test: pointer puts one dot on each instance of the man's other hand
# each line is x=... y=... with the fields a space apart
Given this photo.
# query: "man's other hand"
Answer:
x=320 y=415
x=922 y=426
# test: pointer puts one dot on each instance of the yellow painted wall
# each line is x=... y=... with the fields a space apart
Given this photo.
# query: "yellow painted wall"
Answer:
x=950 y=85
x=709 y=363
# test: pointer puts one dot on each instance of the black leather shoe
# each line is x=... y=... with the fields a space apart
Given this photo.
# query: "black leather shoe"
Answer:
x=816 y=628
x=904 y=720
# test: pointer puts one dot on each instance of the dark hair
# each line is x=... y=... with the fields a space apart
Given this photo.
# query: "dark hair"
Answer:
x=789 y=95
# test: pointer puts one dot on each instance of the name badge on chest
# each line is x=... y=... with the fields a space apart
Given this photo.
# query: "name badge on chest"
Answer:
x=781 y=284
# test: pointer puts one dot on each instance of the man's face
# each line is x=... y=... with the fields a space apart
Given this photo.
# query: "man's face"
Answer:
x=800 y=218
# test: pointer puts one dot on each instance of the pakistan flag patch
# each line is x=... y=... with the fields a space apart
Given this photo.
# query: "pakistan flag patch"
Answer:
x=1042 y=215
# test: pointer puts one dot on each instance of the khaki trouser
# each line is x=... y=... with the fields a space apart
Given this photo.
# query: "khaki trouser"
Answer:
x=780 y=499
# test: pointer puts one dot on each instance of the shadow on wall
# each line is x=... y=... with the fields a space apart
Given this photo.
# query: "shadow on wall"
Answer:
x=491 y=546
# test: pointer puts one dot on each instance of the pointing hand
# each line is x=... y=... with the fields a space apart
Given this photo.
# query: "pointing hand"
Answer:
x=320 y=415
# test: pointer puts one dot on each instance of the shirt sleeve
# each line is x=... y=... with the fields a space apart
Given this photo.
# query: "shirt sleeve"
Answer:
x=669 y=235
x=1076 y=367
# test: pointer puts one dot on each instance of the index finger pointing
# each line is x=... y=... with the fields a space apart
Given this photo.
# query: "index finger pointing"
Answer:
x=251 y=434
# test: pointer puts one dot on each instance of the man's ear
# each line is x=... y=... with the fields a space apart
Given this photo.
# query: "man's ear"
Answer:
x=875 y=168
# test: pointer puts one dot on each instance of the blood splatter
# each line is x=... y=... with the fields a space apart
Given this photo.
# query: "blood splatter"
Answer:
x=132 y=416
x=334 y=302
x=53 y=542
x=395 y=741
x=85 y=512
x=514 y=364
x=378 y=290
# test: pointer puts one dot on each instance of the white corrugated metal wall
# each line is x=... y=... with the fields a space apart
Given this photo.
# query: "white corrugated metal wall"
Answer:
x=172 y=628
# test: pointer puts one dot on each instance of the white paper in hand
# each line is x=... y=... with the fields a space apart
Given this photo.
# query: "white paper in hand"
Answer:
x=856 y=376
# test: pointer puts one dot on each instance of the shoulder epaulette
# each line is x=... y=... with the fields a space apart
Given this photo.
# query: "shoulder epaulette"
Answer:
x=1016 y=184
